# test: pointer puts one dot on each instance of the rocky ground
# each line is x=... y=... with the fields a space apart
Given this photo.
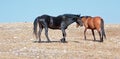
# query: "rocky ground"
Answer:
x=18 y=42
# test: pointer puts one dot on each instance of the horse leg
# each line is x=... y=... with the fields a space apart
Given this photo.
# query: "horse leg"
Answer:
x=46 y=30
x=85 y=33
x=101 y=39
x=40 y=30
x=93 y=35
x=46 y=34
x=64 y=35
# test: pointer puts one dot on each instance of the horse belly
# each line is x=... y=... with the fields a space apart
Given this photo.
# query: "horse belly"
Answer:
x=91 y=27
x=54 y=27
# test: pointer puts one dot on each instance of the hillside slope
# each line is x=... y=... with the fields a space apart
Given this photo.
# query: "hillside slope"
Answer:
x=18 y=42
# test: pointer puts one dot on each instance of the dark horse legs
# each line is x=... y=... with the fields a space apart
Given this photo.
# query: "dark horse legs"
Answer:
x=46 y=34
x=40 y=30
x=101 y=37
x=64 y=35
x=85 y=33
x=46 y=30
x=63 y=27
x=93 y=35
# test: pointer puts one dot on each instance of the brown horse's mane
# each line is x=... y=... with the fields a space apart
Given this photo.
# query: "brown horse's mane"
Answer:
x=86 y=16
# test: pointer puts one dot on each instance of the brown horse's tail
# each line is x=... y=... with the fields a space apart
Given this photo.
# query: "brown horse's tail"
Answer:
x=102 y=29
x=35 y=27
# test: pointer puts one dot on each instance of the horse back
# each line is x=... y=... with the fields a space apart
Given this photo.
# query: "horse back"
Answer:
x=88 y=22
x=57 y=21
x=93 y=22
x=45 y=18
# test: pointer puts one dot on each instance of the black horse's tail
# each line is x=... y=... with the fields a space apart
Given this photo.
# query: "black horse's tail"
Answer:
x=35 y=27
x=102 y=29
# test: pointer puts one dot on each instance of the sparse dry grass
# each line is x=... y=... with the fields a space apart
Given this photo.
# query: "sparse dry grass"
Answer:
x=17 y=42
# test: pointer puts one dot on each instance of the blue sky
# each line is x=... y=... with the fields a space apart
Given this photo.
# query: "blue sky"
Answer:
x=28 y=10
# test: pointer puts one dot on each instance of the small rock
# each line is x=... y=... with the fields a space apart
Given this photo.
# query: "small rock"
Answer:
x=15 y=37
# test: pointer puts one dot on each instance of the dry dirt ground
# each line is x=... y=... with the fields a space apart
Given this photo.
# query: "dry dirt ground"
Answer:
x=18 y=42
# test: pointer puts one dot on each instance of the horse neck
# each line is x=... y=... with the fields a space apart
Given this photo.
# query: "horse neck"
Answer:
x=68 y=22
x=84 y=20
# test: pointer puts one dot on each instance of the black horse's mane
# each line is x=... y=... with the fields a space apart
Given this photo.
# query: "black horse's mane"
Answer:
x=71 y=15
x=59 y=16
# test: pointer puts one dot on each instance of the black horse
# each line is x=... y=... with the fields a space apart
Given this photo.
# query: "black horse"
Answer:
x=60 y=22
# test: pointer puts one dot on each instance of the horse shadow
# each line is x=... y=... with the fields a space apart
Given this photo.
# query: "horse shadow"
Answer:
x=49 y=42
x=55 y=42
x=75 y=41
x=65 y=42
x=92 y=40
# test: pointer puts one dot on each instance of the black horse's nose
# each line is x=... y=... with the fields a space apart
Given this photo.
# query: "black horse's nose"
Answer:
x=82 y=24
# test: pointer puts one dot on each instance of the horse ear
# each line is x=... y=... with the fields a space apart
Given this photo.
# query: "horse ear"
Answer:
x=79 y=15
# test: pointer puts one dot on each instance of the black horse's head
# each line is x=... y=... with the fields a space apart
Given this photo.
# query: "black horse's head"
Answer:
x=73 y=17
x=78 y=20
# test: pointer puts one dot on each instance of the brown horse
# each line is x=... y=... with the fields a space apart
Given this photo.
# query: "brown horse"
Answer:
x=93 y=23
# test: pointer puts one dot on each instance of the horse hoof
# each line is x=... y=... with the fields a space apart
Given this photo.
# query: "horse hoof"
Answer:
x=94 y=40
x=101 y=41
x=85 y=39
x=39 y=41
x=48 y=41
x=63 y=40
